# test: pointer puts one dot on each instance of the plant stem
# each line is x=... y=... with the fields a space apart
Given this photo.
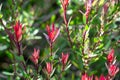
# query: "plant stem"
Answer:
x=67 y=29
x=24 y=66
x=14 y=61
x=37 y=69
x=48 y=78
x=18 y=44
x=63 y=67
x=83 y=42
x=51 y=46
x=60 y=75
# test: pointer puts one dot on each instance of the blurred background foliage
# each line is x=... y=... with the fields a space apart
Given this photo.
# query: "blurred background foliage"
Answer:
x=35 y=15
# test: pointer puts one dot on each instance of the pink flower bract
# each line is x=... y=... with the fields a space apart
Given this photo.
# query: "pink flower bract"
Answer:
x=66 y=2
x=102 y=77
x=110 y=56
x=35 y=56
x=49 y=67
x=52 y=33
x=113 y=70
x=86 y=77
x=64 y=58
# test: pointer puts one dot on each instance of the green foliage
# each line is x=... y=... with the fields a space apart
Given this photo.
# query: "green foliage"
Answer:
x=90 y=41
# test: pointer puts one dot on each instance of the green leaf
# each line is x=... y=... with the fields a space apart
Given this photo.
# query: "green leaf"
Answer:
x=3 y=47
x=112 y=10
x=96 y=39
x=96 y=20
x=51 y=58
x=108 y=44
x=0 y=7
x=53 y=18
x=84 y=19
x=9 y=54
x=52 y=72
x=101 y=2
x=93 y=72
x=100 y=46
x=8 y=73
x=68 y=67
x=86 y=27
x=19 y=58
x=1 y=15
x=94 y=60
x=75 y=64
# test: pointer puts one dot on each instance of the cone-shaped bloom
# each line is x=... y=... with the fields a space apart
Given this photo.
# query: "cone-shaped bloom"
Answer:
x=64 y=58
x=18 y=31
x=86 y=77
x=35 y=56
x=49 y=67
x=113 y=70
x=102 y=77
x=110 y=56
x=52 y=33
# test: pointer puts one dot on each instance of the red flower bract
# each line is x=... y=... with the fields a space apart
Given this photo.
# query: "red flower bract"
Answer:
x=102 y=77
x=18 y=31
x=105 y=7
x=110 y=56
x=113 y=69
x=35 y=56
x=49 y=67
x=52 y=33
x=64 y=58
x=88 y=9
x=66 y=2
x=86 y=77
